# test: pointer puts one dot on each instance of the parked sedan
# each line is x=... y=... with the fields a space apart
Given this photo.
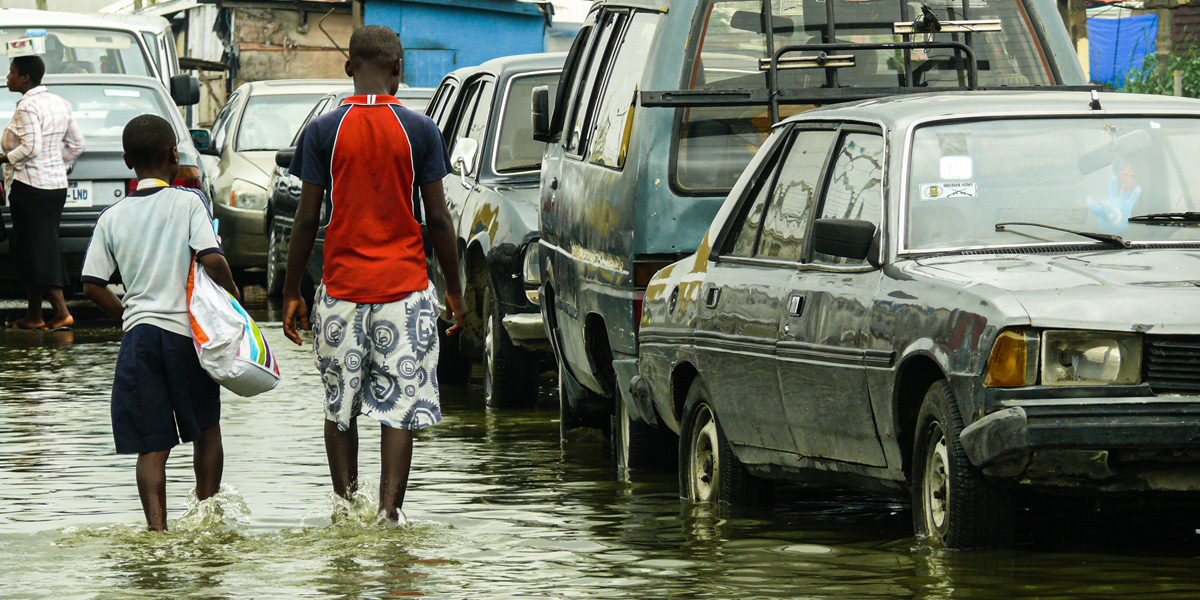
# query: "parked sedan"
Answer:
x=102 y=105
x=258 y=120
x=943 y=296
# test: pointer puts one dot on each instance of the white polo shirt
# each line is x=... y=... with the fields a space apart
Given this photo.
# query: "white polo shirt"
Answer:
x=149 y=237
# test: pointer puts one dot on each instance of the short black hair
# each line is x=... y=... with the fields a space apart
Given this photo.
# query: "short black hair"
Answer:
x=33 y=66
x=148 y=140
x=375 y=45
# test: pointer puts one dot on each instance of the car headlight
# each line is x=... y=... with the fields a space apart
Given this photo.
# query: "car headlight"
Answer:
x=249 y=196
x=532 y=272
x=1013 y=362
x=1091 y=358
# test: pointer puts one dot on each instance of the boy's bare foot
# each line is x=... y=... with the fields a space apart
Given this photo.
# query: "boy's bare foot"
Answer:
x=59 y=324
x=25 y=324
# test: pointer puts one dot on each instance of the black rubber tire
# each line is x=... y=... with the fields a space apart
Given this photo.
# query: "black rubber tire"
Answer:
x=509 y=372
x=568 y=419
x=701 y=439
x=973 y=512
x=641 y=447
x=454 y=368
x=277 y=270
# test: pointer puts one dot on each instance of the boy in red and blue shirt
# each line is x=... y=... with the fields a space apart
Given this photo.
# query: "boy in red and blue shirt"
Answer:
x=375 y=316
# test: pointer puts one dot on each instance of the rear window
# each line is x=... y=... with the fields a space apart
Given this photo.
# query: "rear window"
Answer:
x=716 y=143
x=516 y=150
x=101 y=110
x=71 y=50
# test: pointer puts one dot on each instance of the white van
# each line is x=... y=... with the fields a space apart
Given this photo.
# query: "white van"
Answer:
x=117 y=44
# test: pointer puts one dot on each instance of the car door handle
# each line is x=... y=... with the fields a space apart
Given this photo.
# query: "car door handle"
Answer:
x=712 y=297
x=554 y=183
x=796 y=305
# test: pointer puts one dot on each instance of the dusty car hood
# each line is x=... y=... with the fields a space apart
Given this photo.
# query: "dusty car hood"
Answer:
x=1145 y=290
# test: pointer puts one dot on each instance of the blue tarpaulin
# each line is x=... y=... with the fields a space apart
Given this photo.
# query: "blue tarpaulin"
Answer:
x=1117 y=46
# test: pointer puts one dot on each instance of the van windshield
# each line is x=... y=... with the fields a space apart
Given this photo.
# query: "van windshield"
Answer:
x=73 y=50
x=716 y=143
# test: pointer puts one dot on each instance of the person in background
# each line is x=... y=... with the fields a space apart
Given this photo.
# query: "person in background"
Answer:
x=38 y=146
x=375 y=317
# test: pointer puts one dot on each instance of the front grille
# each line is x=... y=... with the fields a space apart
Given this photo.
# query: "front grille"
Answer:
x=1172 y=364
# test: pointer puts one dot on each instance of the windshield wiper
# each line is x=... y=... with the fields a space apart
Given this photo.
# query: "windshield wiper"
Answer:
x=1167 y=218
x=1107 y=238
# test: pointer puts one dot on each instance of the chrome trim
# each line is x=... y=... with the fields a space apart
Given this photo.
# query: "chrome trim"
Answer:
x=500 y=121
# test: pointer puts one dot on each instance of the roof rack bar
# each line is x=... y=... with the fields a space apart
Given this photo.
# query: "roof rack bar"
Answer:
x=773 y=72
x=975 y=26
x=820 y=61
x=904 y=16
x=768 y=27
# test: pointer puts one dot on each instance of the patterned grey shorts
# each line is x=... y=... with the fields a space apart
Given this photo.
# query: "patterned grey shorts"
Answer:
x=379 y=359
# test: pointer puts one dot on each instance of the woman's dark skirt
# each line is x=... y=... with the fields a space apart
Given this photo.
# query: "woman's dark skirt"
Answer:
x=34 y=244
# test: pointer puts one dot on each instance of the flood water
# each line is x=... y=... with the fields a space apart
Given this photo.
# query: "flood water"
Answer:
x=498 y=508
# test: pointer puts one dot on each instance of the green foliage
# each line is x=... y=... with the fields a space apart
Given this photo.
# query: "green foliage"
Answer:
x=1157 y=74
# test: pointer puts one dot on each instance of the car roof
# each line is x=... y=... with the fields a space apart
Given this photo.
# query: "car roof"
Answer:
x=103 y=79
x=20 y=17
x=283 y=87
x=902 y=111
x=525 y=62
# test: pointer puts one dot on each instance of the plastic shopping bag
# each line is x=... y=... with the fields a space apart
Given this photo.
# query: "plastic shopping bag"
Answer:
x=232 y=350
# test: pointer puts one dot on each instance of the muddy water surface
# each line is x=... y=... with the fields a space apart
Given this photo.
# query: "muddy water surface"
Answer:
x=498 y=509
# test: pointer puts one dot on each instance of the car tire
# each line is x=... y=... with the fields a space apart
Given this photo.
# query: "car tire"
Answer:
x=509 y=371
x=708 y=469
x=568 y=419
x=276 y=269
x=641 y=447
x=954 y=505
x=454 y=367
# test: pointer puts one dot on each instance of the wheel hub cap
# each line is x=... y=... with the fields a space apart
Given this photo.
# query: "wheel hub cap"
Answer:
x=705 y=458
x=936 y=486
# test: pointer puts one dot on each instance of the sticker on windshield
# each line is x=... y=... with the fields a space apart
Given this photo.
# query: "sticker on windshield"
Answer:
x=791 y=7
x=123 y=93
x=948 y=190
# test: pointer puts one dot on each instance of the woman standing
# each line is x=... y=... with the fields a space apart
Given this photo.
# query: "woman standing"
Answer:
x=39 y=145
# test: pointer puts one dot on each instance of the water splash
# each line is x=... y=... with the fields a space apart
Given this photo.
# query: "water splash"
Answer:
x=225 y=512
x=360 y=511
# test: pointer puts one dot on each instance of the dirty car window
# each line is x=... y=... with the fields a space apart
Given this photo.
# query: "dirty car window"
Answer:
x=795 y=196
x=854 y=190
x=102 y=111
x=516 y=150
x=1087 y=174
x=72 y=50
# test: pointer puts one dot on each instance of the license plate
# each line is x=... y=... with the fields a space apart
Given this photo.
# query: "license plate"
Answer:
x=79 y=194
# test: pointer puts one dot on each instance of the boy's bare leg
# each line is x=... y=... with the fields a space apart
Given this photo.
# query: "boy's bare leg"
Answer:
x=33 y=312
x=396 y=449
x=208 y=460
x=152 y=487
x=62 y=316
x=341 y=448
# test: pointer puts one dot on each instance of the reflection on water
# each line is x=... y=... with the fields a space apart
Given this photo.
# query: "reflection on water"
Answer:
x=497 y=509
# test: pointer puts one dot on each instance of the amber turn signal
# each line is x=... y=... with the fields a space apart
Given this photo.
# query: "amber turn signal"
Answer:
x=1013 y=362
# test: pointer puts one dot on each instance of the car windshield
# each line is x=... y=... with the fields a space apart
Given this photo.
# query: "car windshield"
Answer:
x=715 y=143
x=70 y=50
x=270 y=122
x=101 y=110
x=1085 y=174
x=516 y=150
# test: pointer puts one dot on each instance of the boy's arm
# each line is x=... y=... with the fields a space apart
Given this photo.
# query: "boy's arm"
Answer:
x=218 y=269
x=441 y=231
x=304 y=235
x=104 y=298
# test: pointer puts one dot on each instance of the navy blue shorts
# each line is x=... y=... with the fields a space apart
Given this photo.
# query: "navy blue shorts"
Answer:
x=160 y=392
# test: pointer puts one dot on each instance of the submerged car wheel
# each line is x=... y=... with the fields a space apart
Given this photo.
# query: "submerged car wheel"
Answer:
x=510 y=373
x=567 y=419
x=954 y=505
x=275 y=266
x=708 y=469
x=454 y=367
x=639 y=446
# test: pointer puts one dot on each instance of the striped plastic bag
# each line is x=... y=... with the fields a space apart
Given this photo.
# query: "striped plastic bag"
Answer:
x=232 y=350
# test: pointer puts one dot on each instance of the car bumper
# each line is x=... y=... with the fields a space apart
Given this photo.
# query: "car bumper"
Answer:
x=242 y=236
x=1118 y=444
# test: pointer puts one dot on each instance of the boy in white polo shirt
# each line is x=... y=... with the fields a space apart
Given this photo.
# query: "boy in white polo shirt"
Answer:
x=159 y=387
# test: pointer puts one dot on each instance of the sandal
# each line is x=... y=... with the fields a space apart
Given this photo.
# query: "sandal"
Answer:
x=21 y=326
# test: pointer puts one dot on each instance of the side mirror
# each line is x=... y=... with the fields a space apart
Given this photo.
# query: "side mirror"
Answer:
x=845 y=238
x=210 y=148
x=541 y=113
x=185 y=90
x=201 y=139
x=283 y=158
x=463 y=157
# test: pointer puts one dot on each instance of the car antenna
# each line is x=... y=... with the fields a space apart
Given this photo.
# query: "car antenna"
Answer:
x=1095 y=103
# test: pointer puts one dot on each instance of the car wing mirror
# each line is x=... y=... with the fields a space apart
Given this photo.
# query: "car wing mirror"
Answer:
x=845 y=238
x=463 y=157
x=185 y=90
x=283 y=158
x=211 y=148
x=201 y=139
x=540 y=101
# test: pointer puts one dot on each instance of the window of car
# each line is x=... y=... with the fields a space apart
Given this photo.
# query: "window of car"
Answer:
x=437 y=110
x=462 y=118
x=516 y=150
x=794 y=197
x=80 y=50
x=855 y=187
x=473 y=118
x=590 y=81
x=317 y=111
x=572 y=72
x=270 y=122
x=220 y=126
x=614 y=118
x=747 y=232
x=102 y=111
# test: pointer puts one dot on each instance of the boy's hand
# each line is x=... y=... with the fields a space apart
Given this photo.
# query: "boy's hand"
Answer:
x=458 y=310
x=295 y=310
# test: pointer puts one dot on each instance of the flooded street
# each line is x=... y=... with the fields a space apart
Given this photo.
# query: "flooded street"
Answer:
x=498 y=508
